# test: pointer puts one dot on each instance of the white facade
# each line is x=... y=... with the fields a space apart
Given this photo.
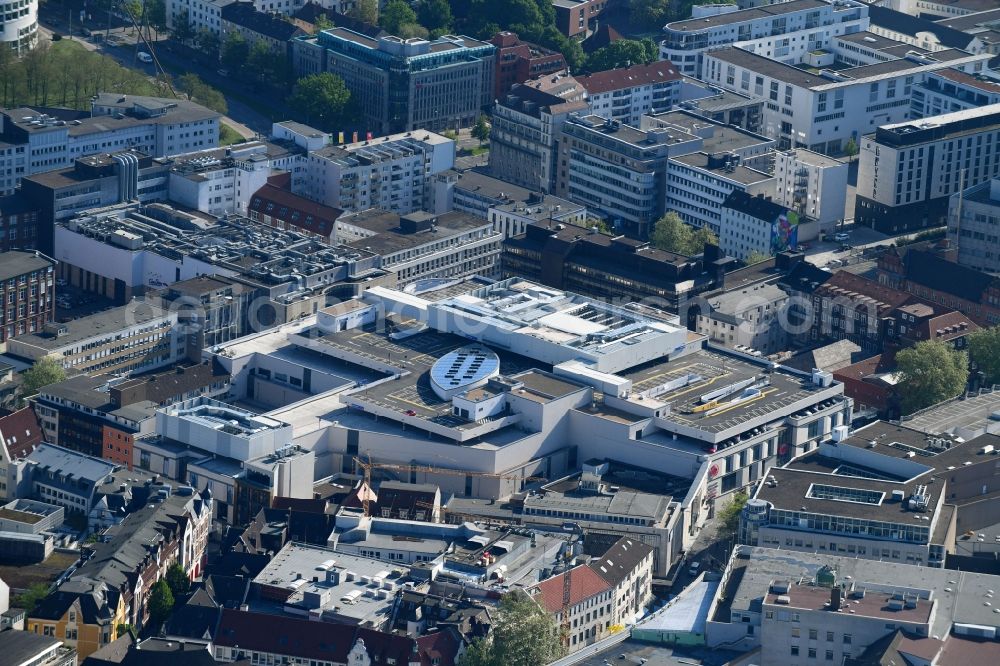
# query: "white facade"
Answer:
x=38 y=142
x=811 y=184
x=746 y=319
x=393 y=173
x=698 y=184
x=219 y=186
x=823 y=111
x=20 y=25
x=207 y=14
x=784 y=31
x=656 y=88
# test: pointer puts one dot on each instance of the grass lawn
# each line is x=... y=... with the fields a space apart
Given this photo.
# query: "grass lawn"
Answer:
x=476 y=151
x=228 y=136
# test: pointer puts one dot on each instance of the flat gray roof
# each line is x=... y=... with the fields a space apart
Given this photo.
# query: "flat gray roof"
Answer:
x=15 y=263
x=740 y=173
x=106 y=322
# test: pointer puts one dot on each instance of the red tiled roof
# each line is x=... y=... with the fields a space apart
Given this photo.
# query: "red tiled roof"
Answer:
x=627 y=77
x=584 y=584
x=857 y=286
x=21 y=432
x=295 y=210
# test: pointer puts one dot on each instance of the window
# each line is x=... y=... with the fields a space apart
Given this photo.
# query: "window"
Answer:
x=795 y=650
x=829 y=655
x=812 y=653
x=847 y=639
x=813 y=634
x=829 y=636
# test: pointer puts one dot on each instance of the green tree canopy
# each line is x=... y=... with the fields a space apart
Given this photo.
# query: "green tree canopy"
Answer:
x=365 y=10
x=481 y=130
x=31 y=596
x=435 y=15
x=178 y=581
x=45 y=371
x=235 y=52
x=756 y=257
x=322 y=23
x=729 y=518
x=161 y=602
x=156 y=13
x=652 y=13
x=320 y=100
x=395 y=15
x=183 y=31
x=931 y=371
x=199 y=91
x=522 y=635
x=670 y=233
x=622 y=53
x=984 y=349
x=207 y=42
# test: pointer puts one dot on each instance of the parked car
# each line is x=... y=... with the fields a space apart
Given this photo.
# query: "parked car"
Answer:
x=694 y=568
x=144 y=57
x=842 y=237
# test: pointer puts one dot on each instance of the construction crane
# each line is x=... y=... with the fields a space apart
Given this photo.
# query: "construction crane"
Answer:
x=367 y=466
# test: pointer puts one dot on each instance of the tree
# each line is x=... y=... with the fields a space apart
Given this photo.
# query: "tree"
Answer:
x=31 y=596
x=622 y=53
x=320 y=100
x=365 y=10
x=45 y=371
x=161 y=602
x=649 y=12
x=178 y=581
x=481 y=130
x=522 y=635
x=183 y=31
x=199 y=91
x=851 y=149
x=931 y=371
x=435 y=15
x=322 y=23
x=156 y=14
x=728 y=519
x=984 y=349
x=207 y=42
x=670 y=233
x=756 y=257
x=395 y=15
x=235 y=52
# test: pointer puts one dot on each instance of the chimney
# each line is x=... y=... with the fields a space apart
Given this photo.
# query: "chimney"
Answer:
x=835 y=598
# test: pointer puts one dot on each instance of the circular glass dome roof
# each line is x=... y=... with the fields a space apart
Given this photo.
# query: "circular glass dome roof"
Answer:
x=463 y=369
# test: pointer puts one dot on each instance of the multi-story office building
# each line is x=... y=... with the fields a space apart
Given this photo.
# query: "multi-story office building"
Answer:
x=725 y=107
x=129 y=339
x=40 y=141
x=783 y=31
x=813 y=185
x=629 y=93
x=921 y=32
x=524 y=136
x=618 y=269
x=952 y=90
x=823 y=111
x=973 y=220
x=420 y=245
x=758 y=225
x=519 y=61
x=20 y=27
x=405 y=84
x=698 y=184
x=220 y=181
x=908 y=170
x=207 y=14
x=391 y=173
x=615 y=170
x=27 y=294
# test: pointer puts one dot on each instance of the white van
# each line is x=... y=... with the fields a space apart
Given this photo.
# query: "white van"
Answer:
x=144 y=57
